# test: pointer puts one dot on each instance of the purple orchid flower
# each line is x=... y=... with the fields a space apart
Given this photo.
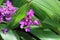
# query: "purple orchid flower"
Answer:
x=5 y=30
x=27 y=21
x=27 y=29
x=7 y=11
x=36 y=22
x=30 y=13
x=22 y=24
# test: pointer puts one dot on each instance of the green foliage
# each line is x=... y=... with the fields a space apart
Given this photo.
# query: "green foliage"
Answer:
x=47 y=11
x=44 y=34
x=18 y=3
x=9 y=36
x=1 y=2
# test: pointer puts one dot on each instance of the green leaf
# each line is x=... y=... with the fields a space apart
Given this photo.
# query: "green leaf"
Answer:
x=3 y=26
x=38 y=12
x=25 y=36
x=48 y=11
x=10 y=35
x=1 y=2
x=48 y=8
x=55 y=25
x=18 y=3
x=1 y=38
x=45 y=34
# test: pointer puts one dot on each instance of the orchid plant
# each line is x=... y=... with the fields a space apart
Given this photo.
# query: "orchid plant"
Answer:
x=29 y=20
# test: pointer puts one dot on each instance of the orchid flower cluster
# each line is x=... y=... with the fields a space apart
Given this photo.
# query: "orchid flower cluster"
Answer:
x=6 y=11
x=27 y=21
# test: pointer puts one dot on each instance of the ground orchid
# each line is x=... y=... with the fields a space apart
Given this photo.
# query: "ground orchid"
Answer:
x=6 y=13
x=27 y=21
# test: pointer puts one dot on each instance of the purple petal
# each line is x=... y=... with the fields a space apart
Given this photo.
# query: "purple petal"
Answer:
x=1 y=19
x=14 y=9
x=21 y=22
x=3 y=14
x=1 y=9
x=9 y=4
x=21 y=26
x=5 y=30
x=26 y=19
x=29 y=22
x=7 y=11
x=36 y=22
x=30 y=13
x=8 y=18
x=27 y=29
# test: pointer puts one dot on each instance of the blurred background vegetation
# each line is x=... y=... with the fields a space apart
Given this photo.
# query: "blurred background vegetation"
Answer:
x=47 y=11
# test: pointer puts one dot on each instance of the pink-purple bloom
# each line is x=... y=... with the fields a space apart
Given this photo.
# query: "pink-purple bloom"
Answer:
x=27 y=21
x=27 y=29
x=5 y=30
x=30 y=13
x=6 y=11
x=22 y=24
x=36 y=22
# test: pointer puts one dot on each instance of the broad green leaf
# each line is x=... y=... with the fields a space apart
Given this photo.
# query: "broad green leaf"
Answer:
x=49 y=8
x=38 y=11
x=1 y=2
x=10 y=35
x=18 y=3
x=45 y=34
x=25 y=36
x=55 y=25
x=1 y=38
x=54 y=5
x=3 y=26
